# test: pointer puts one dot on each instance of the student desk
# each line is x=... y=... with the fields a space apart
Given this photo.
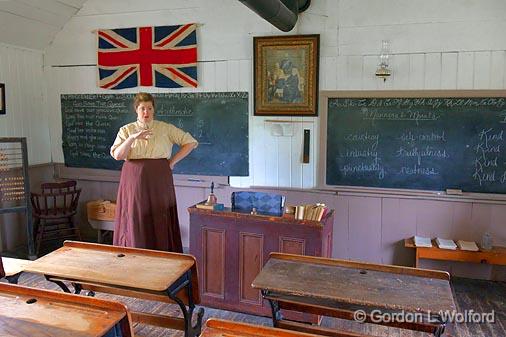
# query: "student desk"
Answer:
x=222 y=328
x=36 y=312
x=339 y=288
x=140 y=273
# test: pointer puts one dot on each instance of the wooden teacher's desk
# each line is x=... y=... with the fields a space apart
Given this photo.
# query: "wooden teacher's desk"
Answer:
x=141 y=273
x=36 y=312
x=341 y=288
x=231 y=248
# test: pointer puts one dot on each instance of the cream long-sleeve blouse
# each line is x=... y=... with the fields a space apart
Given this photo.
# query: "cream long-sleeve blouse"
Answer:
x=158 y=146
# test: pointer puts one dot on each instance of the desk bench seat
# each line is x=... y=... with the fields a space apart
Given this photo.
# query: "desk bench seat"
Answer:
x=220 y=328
x=14 y=268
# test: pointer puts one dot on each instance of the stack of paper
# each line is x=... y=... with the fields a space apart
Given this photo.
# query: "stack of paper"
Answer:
x=468 y=245
x=421 y=241
x=446 y=244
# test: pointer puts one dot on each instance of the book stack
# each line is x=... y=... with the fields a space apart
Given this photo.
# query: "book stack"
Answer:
x=467 y=245
x=314 y=212
x=446 y=244
x=213 y=207
x=421 y=241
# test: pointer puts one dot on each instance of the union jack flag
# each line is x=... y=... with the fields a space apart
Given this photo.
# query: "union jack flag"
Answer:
x=164 y=56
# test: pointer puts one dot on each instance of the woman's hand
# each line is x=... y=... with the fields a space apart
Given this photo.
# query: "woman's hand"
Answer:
x=183 y=152
x=143 y=134
x=171 y=164
x=121 y=152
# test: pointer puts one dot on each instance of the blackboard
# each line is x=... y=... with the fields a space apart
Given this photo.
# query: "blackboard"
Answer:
x=423 y=143
x=219 y=121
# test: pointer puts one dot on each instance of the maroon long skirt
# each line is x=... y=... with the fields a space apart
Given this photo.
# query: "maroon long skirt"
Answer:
x=146 y=210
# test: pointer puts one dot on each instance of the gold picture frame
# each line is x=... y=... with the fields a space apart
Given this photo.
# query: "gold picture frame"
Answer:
x=2 y=99
x=286 y=75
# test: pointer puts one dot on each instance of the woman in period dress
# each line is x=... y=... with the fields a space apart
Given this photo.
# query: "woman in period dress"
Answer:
x=146 y=210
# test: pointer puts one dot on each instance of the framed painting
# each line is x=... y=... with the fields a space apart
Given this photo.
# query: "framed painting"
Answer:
x=286 y=75
x=2 y=99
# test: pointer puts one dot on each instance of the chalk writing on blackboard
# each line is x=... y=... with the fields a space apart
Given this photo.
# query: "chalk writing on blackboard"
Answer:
x=417 y=143
x=219 y=121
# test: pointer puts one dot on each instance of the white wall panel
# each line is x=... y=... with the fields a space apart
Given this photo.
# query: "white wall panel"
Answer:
x=385 y=12
x=284 y=150
x=432 y=67
x=270 y=148
x=342 y=73
x=423 y=37
x=21 y=71
x=497 y=69
x=369 y=79
x=297 y=149
x=416 y=71
x=328 y=78
x=465 y=70
x=449 y=73
x=221 y=76
x=233 y=79
x=355 y=66
x=401 y=65
x=309 y=169
x=481 y=69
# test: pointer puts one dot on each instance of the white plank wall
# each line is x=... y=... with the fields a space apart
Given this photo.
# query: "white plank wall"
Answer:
x=22 y=73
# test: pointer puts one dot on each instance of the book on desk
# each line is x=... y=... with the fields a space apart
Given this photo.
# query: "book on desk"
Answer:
x=467 y=245
x=212 y=207
x=446 y=244
x=421 y=241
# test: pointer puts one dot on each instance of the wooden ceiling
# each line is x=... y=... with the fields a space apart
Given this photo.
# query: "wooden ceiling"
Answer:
x=34 y=23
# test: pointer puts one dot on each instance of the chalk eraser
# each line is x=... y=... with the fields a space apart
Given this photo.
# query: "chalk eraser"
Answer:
x=453 y=191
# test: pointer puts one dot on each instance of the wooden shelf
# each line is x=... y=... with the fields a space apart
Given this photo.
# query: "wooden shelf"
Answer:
x=497 y=255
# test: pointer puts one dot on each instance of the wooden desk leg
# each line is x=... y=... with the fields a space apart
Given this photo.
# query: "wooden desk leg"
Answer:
x=417 y=258
x=440 y=328
x=275 y=309
x=13 y=279
x=189 y=329
x=61 y=285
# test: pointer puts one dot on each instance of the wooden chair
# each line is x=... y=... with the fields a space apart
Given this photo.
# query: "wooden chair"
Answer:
x=53 y=212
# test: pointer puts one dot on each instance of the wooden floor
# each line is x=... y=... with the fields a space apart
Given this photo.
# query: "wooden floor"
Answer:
x=480 y=296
